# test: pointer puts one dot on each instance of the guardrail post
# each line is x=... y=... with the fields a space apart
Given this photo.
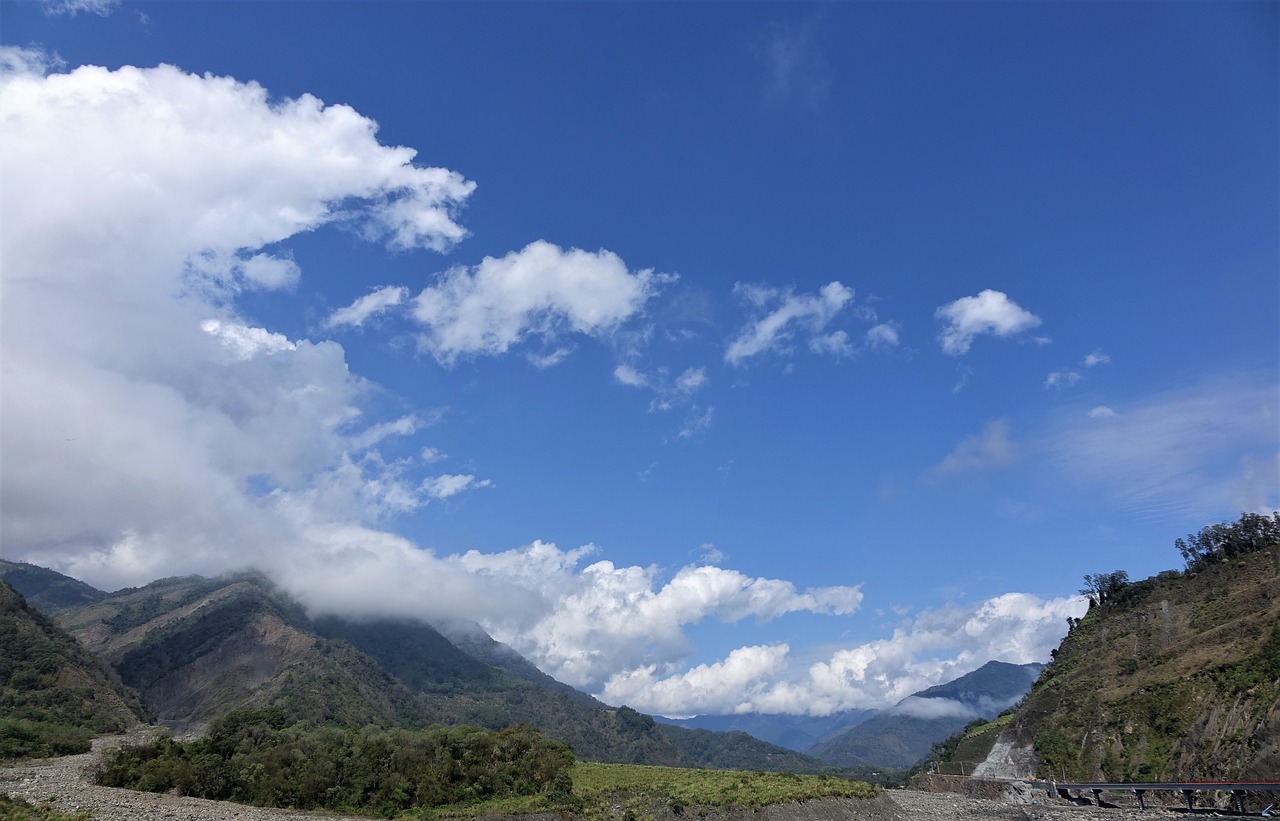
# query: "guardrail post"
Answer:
x=1141 y=805
x=1189 y=796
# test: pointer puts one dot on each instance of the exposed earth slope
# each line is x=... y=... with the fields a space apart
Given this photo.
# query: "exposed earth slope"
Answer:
x=1176 y=677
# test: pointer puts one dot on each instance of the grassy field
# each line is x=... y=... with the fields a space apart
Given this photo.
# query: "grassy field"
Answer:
x=633 y=793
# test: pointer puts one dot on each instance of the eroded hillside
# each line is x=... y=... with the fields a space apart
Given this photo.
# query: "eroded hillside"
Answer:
x=1173 y=677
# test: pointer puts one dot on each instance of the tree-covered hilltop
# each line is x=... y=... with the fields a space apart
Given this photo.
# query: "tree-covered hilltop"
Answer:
x=1174 y=677
x=54 y=696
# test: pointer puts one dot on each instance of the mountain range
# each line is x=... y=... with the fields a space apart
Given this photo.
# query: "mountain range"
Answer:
x=893 y=739
x=903 y=735
x=196 y=648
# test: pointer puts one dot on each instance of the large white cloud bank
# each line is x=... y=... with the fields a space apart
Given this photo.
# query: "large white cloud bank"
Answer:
x=150 y=428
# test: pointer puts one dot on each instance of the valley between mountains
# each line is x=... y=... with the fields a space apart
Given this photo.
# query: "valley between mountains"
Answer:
x=1176 y=677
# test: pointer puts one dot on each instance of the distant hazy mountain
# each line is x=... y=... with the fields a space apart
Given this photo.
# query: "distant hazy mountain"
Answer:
x=793 y=732
x=904 y=734
x=46 y=590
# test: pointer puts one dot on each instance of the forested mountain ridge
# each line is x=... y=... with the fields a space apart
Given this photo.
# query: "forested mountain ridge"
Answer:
x=54 y=696
x=47 y=590
x=197 y=648
x=1174 y=677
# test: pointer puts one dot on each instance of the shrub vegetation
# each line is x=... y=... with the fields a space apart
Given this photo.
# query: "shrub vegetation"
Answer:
x=254 y=757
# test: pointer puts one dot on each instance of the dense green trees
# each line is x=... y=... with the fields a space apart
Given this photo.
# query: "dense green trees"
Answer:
x=1251 y=532
x=54 y=697
x=1217 y=542
x=255 y=757
x=1101 y=587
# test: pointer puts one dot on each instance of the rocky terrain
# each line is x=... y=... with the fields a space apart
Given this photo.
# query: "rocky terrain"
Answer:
x=66 y=784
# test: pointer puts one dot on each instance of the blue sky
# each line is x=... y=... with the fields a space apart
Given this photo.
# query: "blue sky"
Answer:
x=755 y=356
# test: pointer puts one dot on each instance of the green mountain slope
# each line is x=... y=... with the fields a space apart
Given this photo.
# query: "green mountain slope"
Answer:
x=47 y=590
x=54 y=696
x=904 y=734
x=457 y=687
x=471 y=639
x=1176 y=677
x=198 y=648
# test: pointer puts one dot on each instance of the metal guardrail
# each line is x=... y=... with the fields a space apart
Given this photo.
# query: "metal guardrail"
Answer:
x=1187 y=788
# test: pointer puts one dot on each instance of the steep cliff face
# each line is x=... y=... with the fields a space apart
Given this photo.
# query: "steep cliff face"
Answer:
x=1173 y=677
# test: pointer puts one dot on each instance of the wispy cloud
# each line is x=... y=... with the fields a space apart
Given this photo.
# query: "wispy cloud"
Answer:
x=369 y=305
x=782 y=314
x=451 y=484
x=71 y=8
x=697 y=423
x=796 y=65
x=1062 y=379
x=989 y=449
x=1184 y=452
x=1067 y=377
x=990 y=312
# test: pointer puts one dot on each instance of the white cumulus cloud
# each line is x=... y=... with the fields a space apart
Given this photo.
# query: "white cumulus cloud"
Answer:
x=990 y=312
x=934 y=647
x=628 y=375
x=884 y=335
x=541 y=290
x=149 y=429
x=603 y=618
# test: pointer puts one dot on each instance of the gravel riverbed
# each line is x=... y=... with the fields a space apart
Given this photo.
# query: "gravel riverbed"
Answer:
x=66 y=784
